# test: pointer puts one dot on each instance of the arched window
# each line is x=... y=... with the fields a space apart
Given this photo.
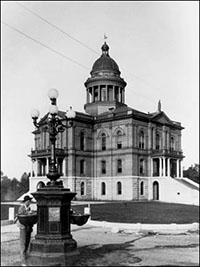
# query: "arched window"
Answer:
x=119 y=188
x=172 y=144
x=82 y=188
x=103 y=166
x=119 y=139
x=119 y=166
x=142 y=188
x=82 y=141
x=141 y=140
x=40 y=185
x=157 y=141
x=103 y=188
x=103 y=141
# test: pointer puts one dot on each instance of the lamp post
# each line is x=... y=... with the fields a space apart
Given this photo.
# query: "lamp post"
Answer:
x=53 y=127
x=53 y=244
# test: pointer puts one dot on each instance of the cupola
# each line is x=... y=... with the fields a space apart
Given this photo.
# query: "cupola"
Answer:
x=105 y=88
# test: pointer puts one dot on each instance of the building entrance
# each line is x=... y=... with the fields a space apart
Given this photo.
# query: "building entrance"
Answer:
x=155 y=191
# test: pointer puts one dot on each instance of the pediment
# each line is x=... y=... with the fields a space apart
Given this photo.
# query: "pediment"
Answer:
x=162 y=118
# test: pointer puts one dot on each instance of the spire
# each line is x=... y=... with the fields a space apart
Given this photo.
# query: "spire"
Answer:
x=159 y=106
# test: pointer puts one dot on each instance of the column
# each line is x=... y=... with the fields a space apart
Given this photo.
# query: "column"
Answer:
x=168 y=167
x=87 y=96
x=181 y=169
x=180 y=145
x=160 y=167
x=135 y=135
x=167 y=145
x=99 y=93
x=149 y=135
x=118 y=94
x=47 y=165
x=38 y=167
x=177 y=169
x=154 y=138
x=33 y=167
x=164 y=167
x=113 y=93
x=151 y=167
x=122 y=95
x=107 y=93
x=163 y=138
x=64 y=167
x=93 y=94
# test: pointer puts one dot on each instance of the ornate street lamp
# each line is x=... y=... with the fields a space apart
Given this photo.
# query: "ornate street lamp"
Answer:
x=53 y=244
x=53 y=127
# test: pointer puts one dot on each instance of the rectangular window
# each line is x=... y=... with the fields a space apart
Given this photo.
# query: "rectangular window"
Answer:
x=141 y=166
x=119 y=166
x=82 y=166
x=119 y=144
x=103 y=167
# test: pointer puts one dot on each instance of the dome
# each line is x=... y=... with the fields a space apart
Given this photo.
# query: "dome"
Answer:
x=105 y=63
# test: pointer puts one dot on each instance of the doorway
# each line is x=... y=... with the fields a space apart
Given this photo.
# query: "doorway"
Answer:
x=155 y=190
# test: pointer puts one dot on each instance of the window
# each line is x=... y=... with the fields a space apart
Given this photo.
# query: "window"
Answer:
x=142 y=188
x=119 y=139
x=103 y=141
x=82 y=141
x=119 y=166
x=141 y=140
x=104 y=98
x=82 y=166
x=141 y=166
x=103 y=188
x=157 y=141
x=119 y=188
x=172 y=144
x=82 y=188
x=103 y=166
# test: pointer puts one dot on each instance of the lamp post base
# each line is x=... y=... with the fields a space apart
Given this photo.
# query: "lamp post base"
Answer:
x=53 y=244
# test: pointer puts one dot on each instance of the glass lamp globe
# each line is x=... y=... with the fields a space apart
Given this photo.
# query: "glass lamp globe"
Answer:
x=53 y=109
x=35 y=113
x=53 y=93
x=70 y=114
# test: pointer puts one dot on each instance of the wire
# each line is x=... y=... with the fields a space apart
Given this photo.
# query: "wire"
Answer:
x=51 y=49
x=54 y=26
x=105 y=37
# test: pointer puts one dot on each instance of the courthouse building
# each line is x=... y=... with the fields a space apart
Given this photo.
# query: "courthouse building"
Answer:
x=113 y=151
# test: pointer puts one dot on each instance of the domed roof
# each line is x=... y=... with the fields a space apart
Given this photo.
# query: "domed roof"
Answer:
x=105 y=63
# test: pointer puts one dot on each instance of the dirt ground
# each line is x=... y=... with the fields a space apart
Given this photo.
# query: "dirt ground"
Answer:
x=101 y=247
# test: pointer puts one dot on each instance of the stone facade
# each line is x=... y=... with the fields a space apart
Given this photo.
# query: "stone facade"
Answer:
x=112 y=152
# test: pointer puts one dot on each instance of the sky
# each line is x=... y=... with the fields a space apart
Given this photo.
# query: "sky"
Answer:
x=53 y=44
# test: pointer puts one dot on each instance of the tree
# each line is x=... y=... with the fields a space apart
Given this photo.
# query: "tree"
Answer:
x=13 y=189
x=24 y=183
x=192 y=173
x=5 y=185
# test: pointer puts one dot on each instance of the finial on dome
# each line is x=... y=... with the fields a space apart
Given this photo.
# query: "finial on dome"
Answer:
x=159 y=106
x=105 y=47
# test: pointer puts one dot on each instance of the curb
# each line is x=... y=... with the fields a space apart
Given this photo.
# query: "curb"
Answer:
x=136 y=227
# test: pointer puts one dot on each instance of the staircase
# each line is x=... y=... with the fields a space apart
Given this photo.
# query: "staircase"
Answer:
x=179 y=190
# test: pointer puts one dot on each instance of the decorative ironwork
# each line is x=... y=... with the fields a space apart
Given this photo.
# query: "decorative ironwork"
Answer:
x=53 y=126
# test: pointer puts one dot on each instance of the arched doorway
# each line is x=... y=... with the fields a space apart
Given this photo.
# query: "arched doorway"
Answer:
x=155 y=190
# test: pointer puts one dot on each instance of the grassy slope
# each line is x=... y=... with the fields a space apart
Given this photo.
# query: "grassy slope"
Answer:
x=142 y=212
